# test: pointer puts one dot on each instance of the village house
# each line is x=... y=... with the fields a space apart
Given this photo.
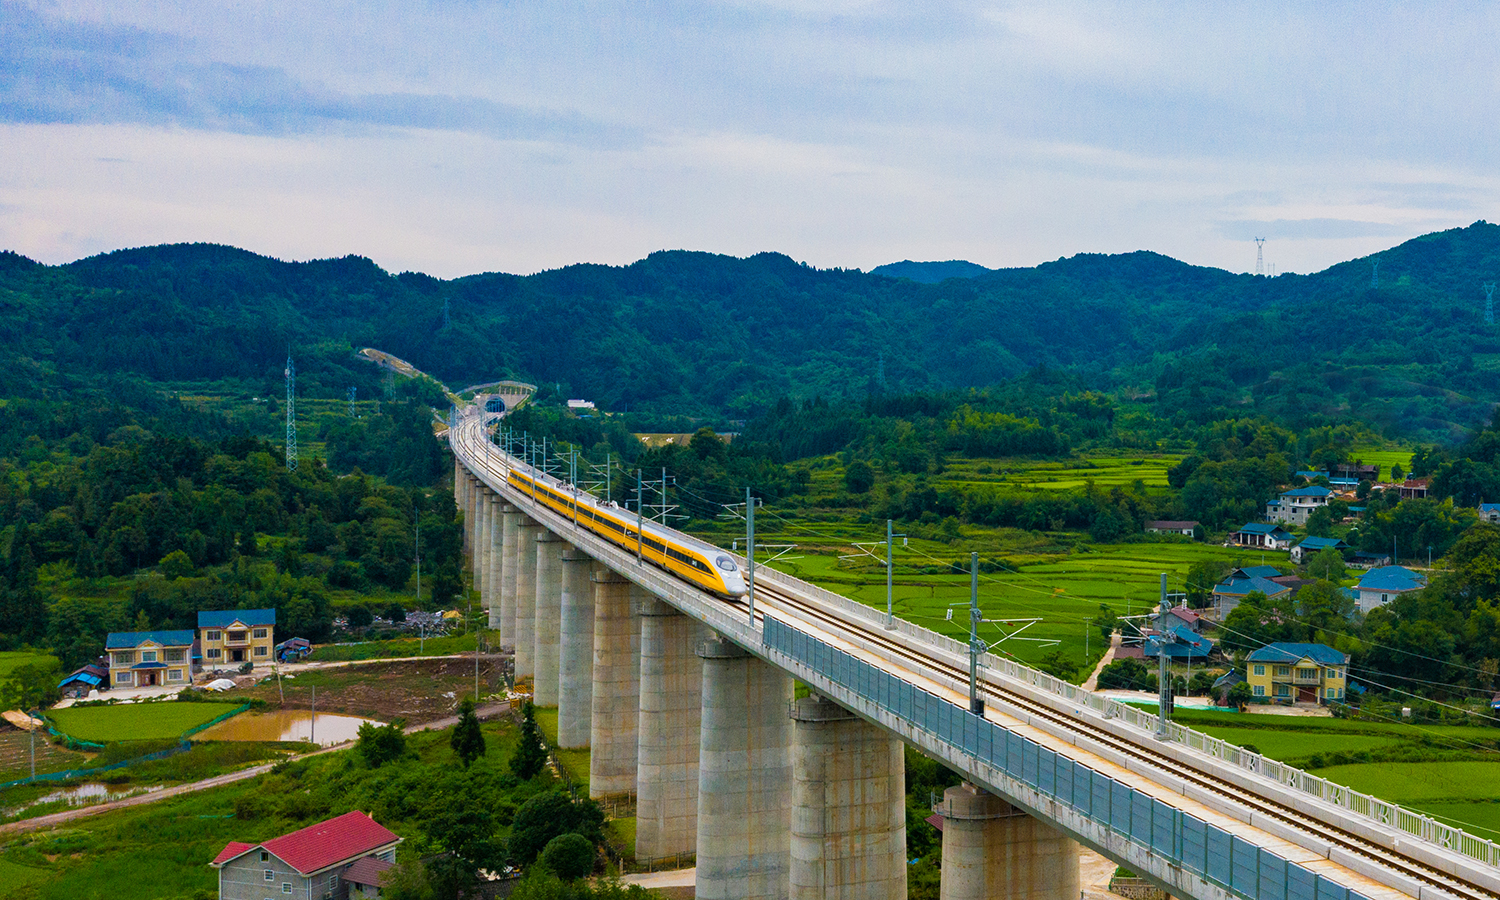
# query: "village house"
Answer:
x=1179 y=643
x=237 y=636
x=1296 y=505
x=1166 y=526
x=1259 y=534
x=1297 y=673
x=78 y=683
x=1413 y=488
x=1380 y=586
x=1311 y=546
x=1489 y=512
x=1177 y=616
x=1355 y=472
x=323 y=861
x=151 y=658
x=1241 y=583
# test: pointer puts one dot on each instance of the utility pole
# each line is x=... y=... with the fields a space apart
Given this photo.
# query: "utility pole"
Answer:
x=639 y=518
x=976 y=706
x=1164 y=685
x=750 y=552
x=890 y=603
x=313 y=727
x=416 y=517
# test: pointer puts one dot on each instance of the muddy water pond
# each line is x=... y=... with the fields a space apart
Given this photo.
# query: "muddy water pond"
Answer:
x=286 y=725
x=84 y=795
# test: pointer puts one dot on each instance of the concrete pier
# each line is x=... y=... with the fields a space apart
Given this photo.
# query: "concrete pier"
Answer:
x=617 y=675
x=744 y=777
x=575 y=656
x=495 y=554
x=481 y=540
x=848 y=806
x=992 y=849
x=526 y=532
x=461 y=495
x=509 y=562
x=548 y=611
x=666 y=804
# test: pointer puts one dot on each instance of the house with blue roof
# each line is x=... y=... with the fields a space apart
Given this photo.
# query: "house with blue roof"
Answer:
x=1296 y=505
x=1298 y=673
x=233 y=637
x=1229 y=592
x=150 y=658
x=1262 y=535
x=1380 y=586
x=1313 y=545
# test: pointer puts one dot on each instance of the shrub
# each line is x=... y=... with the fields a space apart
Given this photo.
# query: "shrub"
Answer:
x=380 y=744
x=571 y=856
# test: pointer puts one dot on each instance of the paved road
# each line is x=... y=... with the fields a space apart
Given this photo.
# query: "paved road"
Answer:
x=489 y=710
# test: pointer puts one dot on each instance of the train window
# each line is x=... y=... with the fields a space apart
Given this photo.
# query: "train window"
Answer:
x=725 y=563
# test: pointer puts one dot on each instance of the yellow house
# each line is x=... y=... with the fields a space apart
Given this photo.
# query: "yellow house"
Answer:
x=150 y=658
x=233 y=637
x=1298 y=673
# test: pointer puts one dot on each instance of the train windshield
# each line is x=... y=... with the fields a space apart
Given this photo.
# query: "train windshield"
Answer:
x=725 y=563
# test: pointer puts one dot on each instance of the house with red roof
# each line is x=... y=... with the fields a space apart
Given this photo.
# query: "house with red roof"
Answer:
x=312 y=863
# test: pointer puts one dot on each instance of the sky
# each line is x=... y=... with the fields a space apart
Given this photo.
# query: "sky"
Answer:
x=458 y=136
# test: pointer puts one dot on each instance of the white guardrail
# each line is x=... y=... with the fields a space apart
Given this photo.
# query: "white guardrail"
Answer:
x=1374 y=809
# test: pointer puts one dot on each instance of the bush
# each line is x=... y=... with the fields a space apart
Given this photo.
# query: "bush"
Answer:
x=571 y=856
x=551 y=815
x=380 y=744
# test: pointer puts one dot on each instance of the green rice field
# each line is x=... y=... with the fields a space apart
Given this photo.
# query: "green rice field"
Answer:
x=1385 y=457
x=135 y=721
x=1464 y=794
x=1059 y=475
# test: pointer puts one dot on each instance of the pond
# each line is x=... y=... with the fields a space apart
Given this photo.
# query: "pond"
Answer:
x=286 y=725
x=85 y=795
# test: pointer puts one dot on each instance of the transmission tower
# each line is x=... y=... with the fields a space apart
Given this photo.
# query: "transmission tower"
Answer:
x=447 y=322
x=1489 y=303
x=1260 y=257
x=291 y=414
x=1375 y=274
x=352 y=413
x=388 y=384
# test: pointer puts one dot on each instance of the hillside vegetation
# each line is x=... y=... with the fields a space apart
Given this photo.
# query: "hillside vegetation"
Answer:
x=705 y=334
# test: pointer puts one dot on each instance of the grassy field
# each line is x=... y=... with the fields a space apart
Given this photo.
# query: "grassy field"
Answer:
x=575 y=762
x=1385 y=457
x=395 y=649
x=1064 y=588
x=1104 y=471
x=135 y=721
x=10 y=660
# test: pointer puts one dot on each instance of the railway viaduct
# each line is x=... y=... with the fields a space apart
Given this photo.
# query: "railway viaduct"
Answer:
x=685 y=701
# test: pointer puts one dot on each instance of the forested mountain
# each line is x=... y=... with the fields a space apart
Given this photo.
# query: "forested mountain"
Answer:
x=700 y=333
x=931 y=272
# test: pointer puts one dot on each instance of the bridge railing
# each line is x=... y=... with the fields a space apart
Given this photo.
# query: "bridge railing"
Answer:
x=1373 y=809
x=1167 y=833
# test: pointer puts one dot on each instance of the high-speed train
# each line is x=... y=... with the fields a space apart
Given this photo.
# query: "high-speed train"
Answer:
x=698 y=562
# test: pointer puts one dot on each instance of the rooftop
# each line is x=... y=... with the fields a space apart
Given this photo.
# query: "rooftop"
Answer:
x=129 y=640
x=1262 y=528
x=1322 y=543
x=1310 y=491
x=319 y=846
x=1392 y=578
x=227 y=617
x=1291 y=653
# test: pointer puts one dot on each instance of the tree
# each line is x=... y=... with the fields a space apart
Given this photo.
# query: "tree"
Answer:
x=467 y=740
x=1240 y=695
x=548 y=815
x=380 y=744
x=1201 y=578
x=570 y=855
x=1396 y=473
x=530 y=756
x=1320 y=523
x=31 y=686
x=1058 y=665
x=859 y=477
x=1327 y=564
x=1128 y=675
x=360 y=616
x=175 y=565
x=1324 y=606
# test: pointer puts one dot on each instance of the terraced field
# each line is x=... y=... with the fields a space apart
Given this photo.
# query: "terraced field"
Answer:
x=15 y=756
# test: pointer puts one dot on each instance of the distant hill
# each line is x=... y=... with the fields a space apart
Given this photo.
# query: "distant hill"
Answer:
x=703 y=333
x=930 y=272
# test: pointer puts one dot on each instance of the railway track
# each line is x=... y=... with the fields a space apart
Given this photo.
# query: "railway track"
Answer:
x=1317 y=828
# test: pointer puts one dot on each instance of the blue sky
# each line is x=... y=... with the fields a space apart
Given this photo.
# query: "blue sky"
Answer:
x=454 y=137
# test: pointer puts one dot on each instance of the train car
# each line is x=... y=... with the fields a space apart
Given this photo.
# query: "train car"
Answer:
x=696 y=562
